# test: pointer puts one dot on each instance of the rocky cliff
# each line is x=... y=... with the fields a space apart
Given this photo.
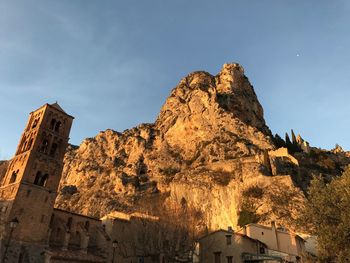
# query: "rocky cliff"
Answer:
x=209 y=148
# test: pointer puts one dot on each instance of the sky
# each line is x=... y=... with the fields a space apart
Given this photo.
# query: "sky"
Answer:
x=112 y=64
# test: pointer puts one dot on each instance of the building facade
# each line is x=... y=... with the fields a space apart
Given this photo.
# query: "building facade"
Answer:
x=290 y=247
x=224 y=246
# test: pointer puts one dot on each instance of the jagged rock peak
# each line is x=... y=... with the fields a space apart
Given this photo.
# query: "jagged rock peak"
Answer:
x=230 y=91
x=203 y=107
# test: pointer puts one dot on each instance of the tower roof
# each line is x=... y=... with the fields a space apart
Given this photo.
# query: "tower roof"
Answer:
x=55 y=105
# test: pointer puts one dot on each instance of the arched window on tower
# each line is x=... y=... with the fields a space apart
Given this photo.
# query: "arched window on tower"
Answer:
x=35 y=123
x=43 y=180
x=58 y=126
x=21 y=147
x=29 y=144
x=53 y=124
x=24 y=146
x=37 y=178
x=14 y=176
x=53 y=149
x=44 y=146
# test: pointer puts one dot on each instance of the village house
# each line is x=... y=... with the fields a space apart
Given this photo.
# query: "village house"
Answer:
x=280 y=242
x=135 y=235
x=225 y=246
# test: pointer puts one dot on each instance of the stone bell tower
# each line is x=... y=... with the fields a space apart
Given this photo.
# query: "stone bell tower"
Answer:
x=29 y=188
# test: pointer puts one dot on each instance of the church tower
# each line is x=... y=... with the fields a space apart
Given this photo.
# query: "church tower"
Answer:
x=29 y=188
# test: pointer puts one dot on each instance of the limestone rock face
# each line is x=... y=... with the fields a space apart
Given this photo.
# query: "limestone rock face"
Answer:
x=223 y=109
x=209 y=148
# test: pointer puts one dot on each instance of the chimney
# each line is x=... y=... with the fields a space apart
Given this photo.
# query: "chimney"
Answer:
x=230 y=229
x=273 y=225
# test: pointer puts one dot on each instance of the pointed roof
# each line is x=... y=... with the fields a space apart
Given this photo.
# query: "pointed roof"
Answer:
x=55 y=105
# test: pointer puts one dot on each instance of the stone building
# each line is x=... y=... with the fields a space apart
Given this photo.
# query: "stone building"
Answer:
x=282 y=243
x=137 y=237
x=31 y=229
x=225 y=246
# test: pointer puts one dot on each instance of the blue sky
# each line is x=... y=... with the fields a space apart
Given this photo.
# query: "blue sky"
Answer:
x=111 y=64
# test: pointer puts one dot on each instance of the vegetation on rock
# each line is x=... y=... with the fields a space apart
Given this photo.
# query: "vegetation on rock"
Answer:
x=327 y=215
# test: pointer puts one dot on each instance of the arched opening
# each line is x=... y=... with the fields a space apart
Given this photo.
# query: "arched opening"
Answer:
x=20 y=148
x=58 y=126
x=69 y=223
x=23 y=255
x=13 y=177
x=57 y=237
x=43 y=180
x=30 y=144
x=44 y=146
x=35 y=123
x=37 y=178
x=53 y=124
x=75 y=240
x=53 y=149
x=24 y=146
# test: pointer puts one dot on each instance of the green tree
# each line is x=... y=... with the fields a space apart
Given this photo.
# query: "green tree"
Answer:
x=327 y=214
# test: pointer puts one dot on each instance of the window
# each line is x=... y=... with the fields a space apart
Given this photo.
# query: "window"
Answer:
x=35 y=123
x=29 y=144
x=52 y=124
x=14 y=176
x=44 y=146
x=53 y=149
x=229 y=259
x=24 y=147
x=28 y=193
x=228 y=239
x=40 y=179
x=262 y=233
x=69 y=222
x=217 y=257
x=58 y=126
x=262 y=250
x=43 y=180
x=37 y=178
